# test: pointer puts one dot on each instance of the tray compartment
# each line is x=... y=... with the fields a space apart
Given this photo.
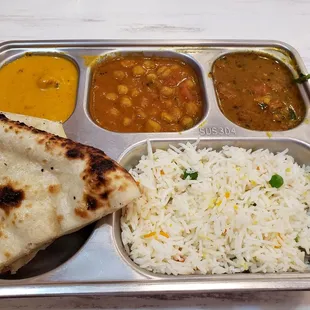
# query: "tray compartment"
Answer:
x=286 y=61
x=10 y=57
x=188 y=60
x=298 y=149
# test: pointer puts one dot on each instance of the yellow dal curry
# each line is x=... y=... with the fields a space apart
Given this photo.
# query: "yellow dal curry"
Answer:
x=39 y=85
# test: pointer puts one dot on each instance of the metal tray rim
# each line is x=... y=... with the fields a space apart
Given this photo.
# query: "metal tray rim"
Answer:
x=151 y=287
x=251 y=282
x=152 y=42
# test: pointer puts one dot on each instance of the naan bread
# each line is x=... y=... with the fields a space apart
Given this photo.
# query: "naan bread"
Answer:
x=55 y=128
x=24 y=260
x=51 y=186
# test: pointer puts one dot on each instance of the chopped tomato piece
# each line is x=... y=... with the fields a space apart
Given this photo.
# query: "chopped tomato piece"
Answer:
x=185 y=92
x=260 y=89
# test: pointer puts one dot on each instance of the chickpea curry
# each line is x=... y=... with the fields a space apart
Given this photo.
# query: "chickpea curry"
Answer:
x=257 y=92
x=39 y=85
x=145 y=94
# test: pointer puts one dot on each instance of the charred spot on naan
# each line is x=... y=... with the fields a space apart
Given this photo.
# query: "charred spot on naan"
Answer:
x=74 y=150
x=123 y=188
x=74 y=153
x=91 y=203
x=54 y=188
x=10 y=197
x=3 y=235
x=98 y=168
x=7 y=254
x=81 y=212
x=104 y=195
x=60 y=218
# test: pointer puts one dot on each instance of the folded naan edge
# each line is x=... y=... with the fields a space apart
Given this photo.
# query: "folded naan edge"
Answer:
x=52 y=127
x=102 y=186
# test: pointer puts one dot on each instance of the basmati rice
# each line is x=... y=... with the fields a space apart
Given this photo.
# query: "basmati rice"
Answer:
x=228 y=220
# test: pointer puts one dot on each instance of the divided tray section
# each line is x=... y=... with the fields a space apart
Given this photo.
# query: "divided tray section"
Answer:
x=151 y=61
x=67 y=255
x=256 y=89
x=299 y=150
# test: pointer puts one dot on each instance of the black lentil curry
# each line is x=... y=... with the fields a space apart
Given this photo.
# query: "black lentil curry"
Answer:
x=257 y=92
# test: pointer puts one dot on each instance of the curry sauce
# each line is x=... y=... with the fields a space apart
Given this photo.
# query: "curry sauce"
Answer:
x=39 y=85
x=142 y=94
x=257 y=92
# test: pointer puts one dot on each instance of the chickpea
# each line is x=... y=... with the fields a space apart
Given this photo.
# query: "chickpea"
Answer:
x=160 y=70
x=168 y=103
x=175 y=67
x=149 y=64
x=152 y=126
x=128 y=63
x=127 y=121
x=166 y=117
x=191 y=108
x=187 y=122
x=189 y=83
x=111 y=96
x=166 y=73
x=151 y=77
x=114 y=112
x=176 y=113
x=119 y=75
x=167 y=91
x=141 y=114
x=135 y=92
x=138 y=71
x=122 y=89
x=126 y=102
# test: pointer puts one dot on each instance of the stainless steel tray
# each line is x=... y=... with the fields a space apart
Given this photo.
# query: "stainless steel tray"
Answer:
x=93 y=260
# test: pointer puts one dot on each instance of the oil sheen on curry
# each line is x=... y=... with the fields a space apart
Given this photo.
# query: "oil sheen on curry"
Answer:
x=141 y=94
x=257 y=92
x=39 y=85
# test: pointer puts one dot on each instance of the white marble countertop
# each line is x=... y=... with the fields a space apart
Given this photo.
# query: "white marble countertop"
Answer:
x=285 y=20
